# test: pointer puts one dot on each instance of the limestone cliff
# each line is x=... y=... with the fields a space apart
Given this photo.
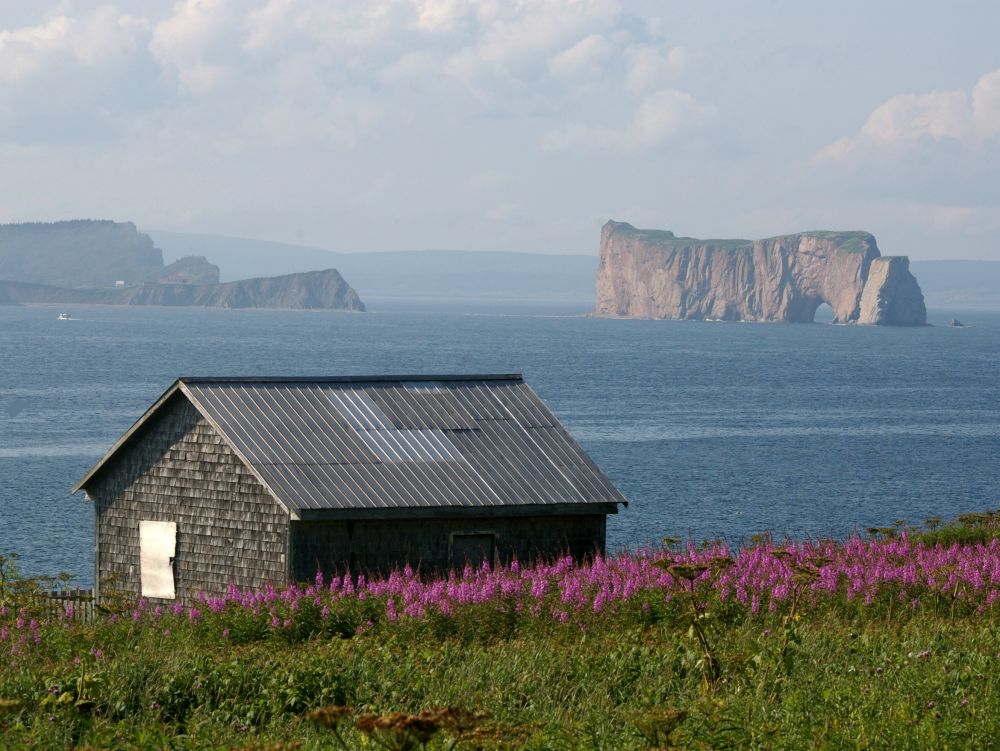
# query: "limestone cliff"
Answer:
x=892 y=295
x=314 y=290
x=654 y=274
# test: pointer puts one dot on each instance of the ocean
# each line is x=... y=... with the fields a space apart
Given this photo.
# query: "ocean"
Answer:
x=711 y=430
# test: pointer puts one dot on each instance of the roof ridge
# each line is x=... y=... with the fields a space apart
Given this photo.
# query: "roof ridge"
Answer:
x=353 y=379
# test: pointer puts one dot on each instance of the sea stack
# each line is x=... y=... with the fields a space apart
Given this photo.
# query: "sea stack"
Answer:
x=655 y=274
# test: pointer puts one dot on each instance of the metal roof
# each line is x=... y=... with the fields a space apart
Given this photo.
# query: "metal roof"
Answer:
x=387 y=442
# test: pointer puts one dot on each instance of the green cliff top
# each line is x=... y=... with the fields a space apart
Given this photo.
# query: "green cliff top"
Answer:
x=853 y=241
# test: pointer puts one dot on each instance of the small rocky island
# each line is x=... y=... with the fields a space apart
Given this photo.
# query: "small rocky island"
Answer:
x=655 y=274
x=112 y=263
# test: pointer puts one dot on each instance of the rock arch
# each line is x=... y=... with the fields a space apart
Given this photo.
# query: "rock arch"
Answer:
x=655 y=274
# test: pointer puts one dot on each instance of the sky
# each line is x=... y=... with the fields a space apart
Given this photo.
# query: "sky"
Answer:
x=362 y=125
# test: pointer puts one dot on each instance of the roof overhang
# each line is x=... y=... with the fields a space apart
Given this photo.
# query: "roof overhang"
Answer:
x=460 y=512
x=406 y=377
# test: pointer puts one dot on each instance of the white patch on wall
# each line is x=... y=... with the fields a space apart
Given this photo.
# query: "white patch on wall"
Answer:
x=157 y=545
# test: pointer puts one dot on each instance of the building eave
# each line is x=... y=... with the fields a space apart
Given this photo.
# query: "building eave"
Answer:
x=406 y=377
x=460 y=512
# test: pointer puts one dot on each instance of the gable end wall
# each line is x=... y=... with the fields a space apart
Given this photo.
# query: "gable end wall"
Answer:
x=178 y=469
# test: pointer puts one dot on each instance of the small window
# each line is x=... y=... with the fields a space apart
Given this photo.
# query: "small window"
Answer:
x=474 y=548
x=157 y=545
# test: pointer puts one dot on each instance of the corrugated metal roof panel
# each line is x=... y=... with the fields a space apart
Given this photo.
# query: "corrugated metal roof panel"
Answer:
x=529 y=413
x=406 y=442
x=411 y=445
x=476 y=399
x=421 y=408
x=358 y=408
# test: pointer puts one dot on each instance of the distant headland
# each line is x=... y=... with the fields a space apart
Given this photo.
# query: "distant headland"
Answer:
x=112 y=263
x=654 y=274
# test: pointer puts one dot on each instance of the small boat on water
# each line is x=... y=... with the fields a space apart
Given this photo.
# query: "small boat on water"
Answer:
x=64 y=317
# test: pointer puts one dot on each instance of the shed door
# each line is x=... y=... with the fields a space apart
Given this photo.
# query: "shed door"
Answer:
x=157 y=545
x=473 y=548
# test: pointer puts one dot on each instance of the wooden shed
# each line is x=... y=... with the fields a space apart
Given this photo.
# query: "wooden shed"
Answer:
x=267 y=480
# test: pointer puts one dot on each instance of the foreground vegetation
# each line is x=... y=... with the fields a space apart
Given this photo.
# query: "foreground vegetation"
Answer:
x=891 y=642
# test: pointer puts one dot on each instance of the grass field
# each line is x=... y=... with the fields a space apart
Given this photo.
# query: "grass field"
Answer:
x=890 y=642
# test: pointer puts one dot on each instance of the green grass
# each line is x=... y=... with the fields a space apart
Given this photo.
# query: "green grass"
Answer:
x=927 y=683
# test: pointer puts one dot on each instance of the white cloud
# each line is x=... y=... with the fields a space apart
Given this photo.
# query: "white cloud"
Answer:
x=656 y=119
x=912 y=117
x=908 y=120
x=986 y=105
x=585 y=58
x=650 y=66
x=667 y=114
x=519 y=35
x=196 y=43
x=442 y=16
x=103 y=37
x=74 y=78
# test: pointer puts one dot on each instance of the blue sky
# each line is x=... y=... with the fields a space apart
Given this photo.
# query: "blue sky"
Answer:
x=504 y=125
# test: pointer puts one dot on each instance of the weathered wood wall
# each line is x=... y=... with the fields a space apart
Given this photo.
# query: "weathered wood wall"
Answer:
x=229 y=529
x=377 y=546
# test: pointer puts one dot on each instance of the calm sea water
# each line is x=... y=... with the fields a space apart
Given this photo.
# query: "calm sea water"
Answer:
x=711 y=430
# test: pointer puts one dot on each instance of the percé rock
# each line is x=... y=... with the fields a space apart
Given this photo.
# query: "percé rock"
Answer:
x=654 y=274
x=313 y=290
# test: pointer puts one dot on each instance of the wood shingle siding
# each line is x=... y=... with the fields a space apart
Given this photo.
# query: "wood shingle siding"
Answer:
x=229 y=528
